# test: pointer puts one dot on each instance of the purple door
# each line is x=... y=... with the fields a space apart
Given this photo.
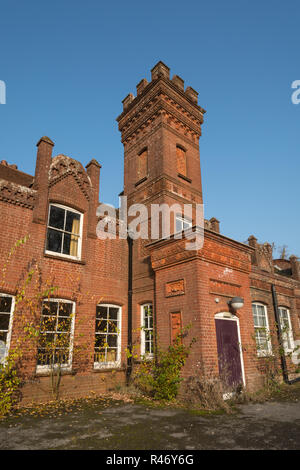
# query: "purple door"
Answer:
x=229 y=357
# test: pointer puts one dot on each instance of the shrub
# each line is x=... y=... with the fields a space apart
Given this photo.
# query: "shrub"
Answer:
x=160 y=378
x=9 y=382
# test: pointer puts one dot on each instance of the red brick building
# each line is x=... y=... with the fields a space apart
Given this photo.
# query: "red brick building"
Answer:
x=112 y=293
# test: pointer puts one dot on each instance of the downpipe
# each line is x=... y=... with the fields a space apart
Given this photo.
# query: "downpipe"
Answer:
x=284 y=369
x=129 y=311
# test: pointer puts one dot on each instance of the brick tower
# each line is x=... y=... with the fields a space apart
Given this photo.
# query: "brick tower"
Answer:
x=160 y=130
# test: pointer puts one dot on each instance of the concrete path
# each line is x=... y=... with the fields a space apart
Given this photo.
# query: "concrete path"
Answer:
x=126 y=427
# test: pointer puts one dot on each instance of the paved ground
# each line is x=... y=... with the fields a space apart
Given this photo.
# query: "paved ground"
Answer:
x=126 y=426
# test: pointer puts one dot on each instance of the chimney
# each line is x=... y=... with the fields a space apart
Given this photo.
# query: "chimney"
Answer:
x=215 y=225
x=41 y=179
x=93 y=171
x=295 y=265
x=252 y=241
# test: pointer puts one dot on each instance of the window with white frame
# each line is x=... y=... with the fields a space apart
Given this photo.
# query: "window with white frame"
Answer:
x=261 y=329
x=64 y=231
x=107 y=352
x=286 y=328
x=182 y=223
x=56 y=334
x=147 y=331
x=6 y=314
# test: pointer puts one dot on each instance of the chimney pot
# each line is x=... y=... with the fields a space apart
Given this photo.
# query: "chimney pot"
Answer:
x=215 y=224
x=45 y=139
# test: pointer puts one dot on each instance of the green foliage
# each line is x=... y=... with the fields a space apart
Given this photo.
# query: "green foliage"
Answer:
x=9 y=382
x=160 y=378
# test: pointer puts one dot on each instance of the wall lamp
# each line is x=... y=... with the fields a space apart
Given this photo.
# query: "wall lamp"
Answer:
x=236 y=303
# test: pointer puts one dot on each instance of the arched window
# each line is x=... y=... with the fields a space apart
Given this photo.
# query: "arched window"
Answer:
x=107 y=351
x=147 y=340
x=286 y=329
x=261 y=329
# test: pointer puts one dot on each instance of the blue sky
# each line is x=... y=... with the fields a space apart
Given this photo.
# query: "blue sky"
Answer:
x=68 y=65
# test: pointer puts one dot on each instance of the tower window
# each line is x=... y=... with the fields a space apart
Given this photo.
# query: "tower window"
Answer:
x=182 y=223
x=142 y=167
x=181 y=161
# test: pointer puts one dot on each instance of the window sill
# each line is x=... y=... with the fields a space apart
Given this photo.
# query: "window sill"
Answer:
x=64 y=258
x=265 y=354
x=185 y=178
x=141 y=181
x=47 y=373
x=108 y=369
x=144 y=359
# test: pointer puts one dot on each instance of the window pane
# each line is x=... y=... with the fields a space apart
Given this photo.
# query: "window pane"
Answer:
x=57 y=217
x=99 y=356
x=3 y=336
x=113 y=313
x=54 y=240
x=148 y=335
x=178 y=225
x=72 y=222
x=101 y=312
x=64 y=324
x=4 y=321
x=5 y=304
x=46 y=341
x=62 y=340
x=112 y=340
x=48 y=323
x=43 y=358
x=111 y=355
x=101 y=325
x=100 y=340
x=112 y=326
x=50 y=308
x=65 y=309
x=60 y=357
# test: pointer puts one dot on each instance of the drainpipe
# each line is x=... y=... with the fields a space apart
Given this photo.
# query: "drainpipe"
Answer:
x=279 y=334
x=129 y=310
